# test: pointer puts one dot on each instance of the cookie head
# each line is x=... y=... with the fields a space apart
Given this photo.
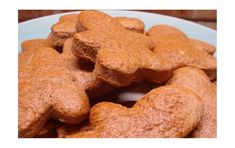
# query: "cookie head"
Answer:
x=64 y=29
x=35 y=44
x=203 y=46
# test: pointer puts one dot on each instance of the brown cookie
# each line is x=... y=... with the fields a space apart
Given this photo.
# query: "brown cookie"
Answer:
x=83 y=73
x=196 y=80
x=35 y=44
x=203 y=46
x=168 y=111
x=47 y=90
x=121 y=56
x=64 y=29
x=133 y=24
x=177 y=48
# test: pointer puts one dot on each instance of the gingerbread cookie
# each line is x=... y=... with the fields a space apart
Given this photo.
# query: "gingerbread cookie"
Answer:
x=83 y=73
x=35 y=44
x=196 y=80
x=203 y=46
x=121 y=56
x=99 y=52
x=176 y=47
x=168 y=111
x=47 y=90
x=64 y=29
x=132 y=24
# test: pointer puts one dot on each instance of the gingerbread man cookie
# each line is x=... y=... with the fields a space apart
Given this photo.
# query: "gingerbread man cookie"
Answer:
x=47 y=90
x=196 y=80
x=121 y=56
x=168 y=111
x=177 y=48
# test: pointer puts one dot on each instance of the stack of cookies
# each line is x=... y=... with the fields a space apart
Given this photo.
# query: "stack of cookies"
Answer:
x=90 y=55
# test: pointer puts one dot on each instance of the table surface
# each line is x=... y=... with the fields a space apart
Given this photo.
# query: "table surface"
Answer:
x=203 y=17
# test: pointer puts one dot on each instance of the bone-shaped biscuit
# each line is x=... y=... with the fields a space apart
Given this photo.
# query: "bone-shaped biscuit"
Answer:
x=46 y=90
x=196 y=80
x=121 y=56
x=168 y=111
x=177 y=48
